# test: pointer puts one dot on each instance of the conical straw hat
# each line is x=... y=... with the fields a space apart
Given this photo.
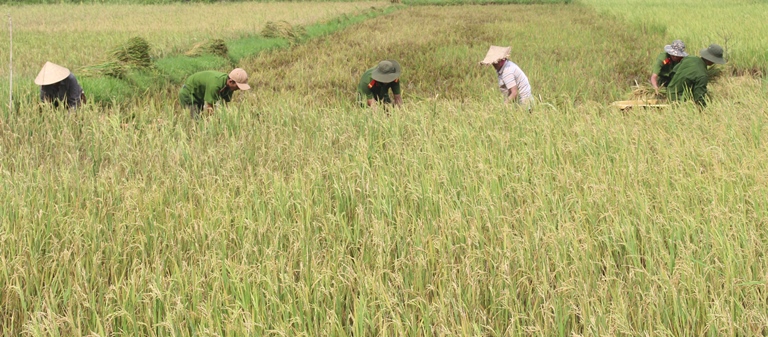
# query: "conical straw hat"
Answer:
x=496 y=53
x=51 y=73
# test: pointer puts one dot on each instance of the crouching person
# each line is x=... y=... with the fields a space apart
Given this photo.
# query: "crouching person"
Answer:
x=376 y=82
x=691 y=78
x=202 y=90
x=59 y=87
x=512 y=80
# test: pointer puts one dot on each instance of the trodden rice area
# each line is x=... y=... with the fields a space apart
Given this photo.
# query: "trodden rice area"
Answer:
x=293 y=212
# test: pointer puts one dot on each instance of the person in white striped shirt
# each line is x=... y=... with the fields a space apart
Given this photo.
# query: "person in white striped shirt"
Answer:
x=512 y=80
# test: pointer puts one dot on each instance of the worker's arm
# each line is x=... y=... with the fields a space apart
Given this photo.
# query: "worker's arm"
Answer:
x=398 y=101
x=655 y=82
x=208 y=108
x=512 y=95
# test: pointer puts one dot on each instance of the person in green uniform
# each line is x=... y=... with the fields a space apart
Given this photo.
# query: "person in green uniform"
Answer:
x=665 y=63
x=376 y=82
x=690 y=80
x=202 y=90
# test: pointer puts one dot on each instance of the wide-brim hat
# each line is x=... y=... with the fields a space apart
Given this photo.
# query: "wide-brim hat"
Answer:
x=495 y=54
x=713 y=53
x=51 y=73
x=677 y=48
x=387 y=71
x=240 y=77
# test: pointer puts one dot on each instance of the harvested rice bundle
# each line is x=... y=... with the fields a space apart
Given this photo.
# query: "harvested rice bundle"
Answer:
x=643 y=91
x=213 y=47
x=135 y=53
x=282 y=29
x=112 y=69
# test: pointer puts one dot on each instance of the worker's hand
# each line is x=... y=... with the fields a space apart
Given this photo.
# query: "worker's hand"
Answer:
x=398 y=101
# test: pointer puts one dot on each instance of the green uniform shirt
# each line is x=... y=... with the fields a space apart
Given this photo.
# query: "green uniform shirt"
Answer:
x=205 y=87
x=370 y=89
x=690 y=81
x=664 y=68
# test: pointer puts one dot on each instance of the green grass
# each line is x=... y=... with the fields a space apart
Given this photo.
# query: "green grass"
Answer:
x=328 y=27
x=177 y=68
x=254 y=45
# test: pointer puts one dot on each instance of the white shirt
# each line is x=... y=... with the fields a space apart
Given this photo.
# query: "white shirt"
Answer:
x=511 y=75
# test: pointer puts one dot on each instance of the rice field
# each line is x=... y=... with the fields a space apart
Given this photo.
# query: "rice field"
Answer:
x=80 y=37
x=737 y=25
x=294 y=212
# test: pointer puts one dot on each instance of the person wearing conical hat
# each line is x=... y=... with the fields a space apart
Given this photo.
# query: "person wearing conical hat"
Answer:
x=202 y=90
x=513 y=83
x=665 y=63
x=691 y=78
x=59 y=86
x=376 y=82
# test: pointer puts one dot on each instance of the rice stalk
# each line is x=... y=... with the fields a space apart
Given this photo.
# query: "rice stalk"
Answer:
x=210 y=47
x=134 y=53
x=646 y=91
x=282 y=29
x=111 y=68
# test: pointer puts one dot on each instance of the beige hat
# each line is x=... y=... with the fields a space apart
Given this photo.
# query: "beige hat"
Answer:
x=240 y=77
x=51 y=73
x=496 y=53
